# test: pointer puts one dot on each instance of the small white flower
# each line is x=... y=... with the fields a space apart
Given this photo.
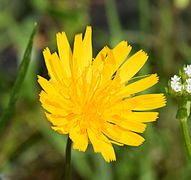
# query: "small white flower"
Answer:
x=177 y=87
x=187 y=70
x=175 y=78
x=176 y=84
x=188 y=81
x=188 y=88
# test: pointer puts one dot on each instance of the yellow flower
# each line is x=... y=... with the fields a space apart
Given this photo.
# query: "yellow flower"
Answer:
x=92 y=99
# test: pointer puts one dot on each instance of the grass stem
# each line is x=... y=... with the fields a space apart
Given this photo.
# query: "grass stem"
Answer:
x=67 y=175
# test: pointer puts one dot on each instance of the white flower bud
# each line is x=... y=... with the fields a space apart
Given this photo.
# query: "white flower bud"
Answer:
x=188 y=81
x=188 y=88
x=175 y=78
x=177 y=87
x=187 y=70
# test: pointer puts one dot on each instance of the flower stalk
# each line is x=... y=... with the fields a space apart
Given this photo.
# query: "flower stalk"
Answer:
x=67 y=173
x=183 y=114
x=179 y=87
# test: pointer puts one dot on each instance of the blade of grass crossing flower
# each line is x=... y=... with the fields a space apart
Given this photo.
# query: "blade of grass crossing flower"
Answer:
x=5 y=118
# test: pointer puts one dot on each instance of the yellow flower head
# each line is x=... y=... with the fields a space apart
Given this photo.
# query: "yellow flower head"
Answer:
x=91 y=99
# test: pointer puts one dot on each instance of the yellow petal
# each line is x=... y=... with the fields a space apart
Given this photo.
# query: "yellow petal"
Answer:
x=78 y=54
x=87 y=46
x=121 y=51
x=98 y=62
x=102 y=144
x=65 y=129
x=109 y=68
x=139 y=85
x=60 y=130
x=123 y=136
x=146 y=102
x=142 y=116
x=119 y=108
x=56 y=120
x=132 y=65
x=61 y=88
x=54 y=65
x=79 y=138
x=53 y=106
x=133 y=125
x=52 y=89
x=57 y=67
x=126 y=123
x=114 y=59
x=65 y=52
x=47 y=59
x=115 y=119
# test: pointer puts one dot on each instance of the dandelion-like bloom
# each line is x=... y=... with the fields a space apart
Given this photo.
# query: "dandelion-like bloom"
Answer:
x=93 y=99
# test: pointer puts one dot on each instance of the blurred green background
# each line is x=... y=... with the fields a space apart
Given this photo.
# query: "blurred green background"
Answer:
x=29 y=149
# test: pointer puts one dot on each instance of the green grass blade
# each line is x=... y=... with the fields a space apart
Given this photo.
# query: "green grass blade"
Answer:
x=113 y=21
x=5 y=118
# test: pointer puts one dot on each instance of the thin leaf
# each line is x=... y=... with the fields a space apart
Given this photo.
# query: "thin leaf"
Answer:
x=5 y=118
